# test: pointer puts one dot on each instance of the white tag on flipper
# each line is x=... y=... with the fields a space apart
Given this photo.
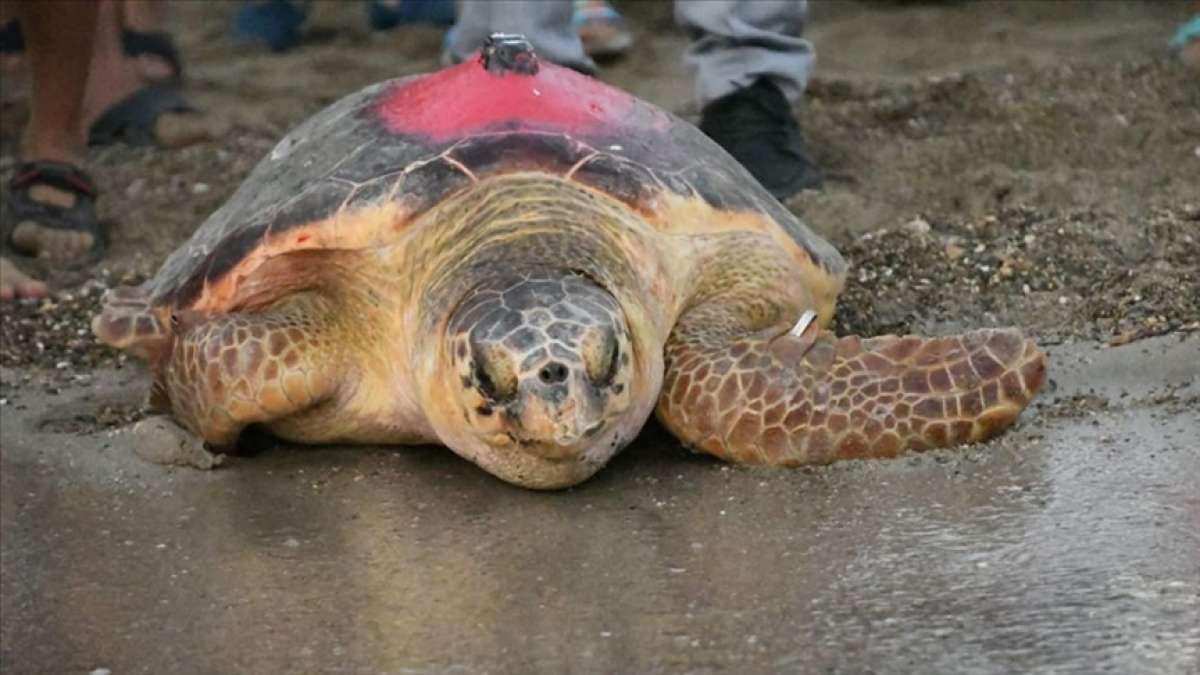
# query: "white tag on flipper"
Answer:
x=802 y=325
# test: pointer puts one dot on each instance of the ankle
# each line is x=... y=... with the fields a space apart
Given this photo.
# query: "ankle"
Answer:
x=107 y=86
x=54 y=149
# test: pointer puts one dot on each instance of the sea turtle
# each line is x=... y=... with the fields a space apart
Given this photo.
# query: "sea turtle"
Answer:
x=522 y=263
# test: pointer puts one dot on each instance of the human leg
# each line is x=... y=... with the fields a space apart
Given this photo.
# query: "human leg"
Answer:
x=55 y=217
x=750 y=64
x=547 y=24
x=735 y=42
x=143 y=37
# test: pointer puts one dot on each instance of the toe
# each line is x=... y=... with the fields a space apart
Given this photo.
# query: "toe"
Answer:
x=52 y=244
x=77 y=245
x=25 y=238
x=32 y=289
x=16 y=284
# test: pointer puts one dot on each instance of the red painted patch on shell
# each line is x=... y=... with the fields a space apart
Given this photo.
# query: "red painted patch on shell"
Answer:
x=467 y=99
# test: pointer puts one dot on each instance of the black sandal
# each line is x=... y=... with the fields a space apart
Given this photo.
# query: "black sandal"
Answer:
x=153 y=43
x=79 y=217
x=133 y=119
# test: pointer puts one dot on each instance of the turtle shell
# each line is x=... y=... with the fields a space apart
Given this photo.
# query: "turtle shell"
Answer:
x=364 y=168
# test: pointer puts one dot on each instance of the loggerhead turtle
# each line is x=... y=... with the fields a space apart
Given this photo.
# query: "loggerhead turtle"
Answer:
x=521 y=263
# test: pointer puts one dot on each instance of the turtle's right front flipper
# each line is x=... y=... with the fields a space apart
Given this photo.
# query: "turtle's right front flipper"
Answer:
x=791 y=400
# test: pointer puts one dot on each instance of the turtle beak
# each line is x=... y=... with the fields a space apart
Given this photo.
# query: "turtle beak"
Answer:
x=573 y=434
x=554 y=412
x=559 y=412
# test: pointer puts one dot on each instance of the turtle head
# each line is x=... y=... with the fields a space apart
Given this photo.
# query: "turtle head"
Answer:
x=543 y=373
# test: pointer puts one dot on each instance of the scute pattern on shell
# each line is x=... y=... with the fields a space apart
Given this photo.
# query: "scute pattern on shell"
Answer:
x=293 y=183
x=352 y=155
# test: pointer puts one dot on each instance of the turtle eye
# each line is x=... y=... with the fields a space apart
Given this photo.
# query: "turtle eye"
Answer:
x=494 y=374
x=599 y=352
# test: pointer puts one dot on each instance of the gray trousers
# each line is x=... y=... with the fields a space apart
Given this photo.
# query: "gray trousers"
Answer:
x=733 y=42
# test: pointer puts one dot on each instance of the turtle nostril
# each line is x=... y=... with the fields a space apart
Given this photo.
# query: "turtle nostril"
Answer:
x=553 y=372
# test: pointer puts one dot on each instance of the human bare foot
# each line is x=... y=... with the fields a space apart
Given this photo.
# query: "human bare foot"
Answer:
x=16 y=284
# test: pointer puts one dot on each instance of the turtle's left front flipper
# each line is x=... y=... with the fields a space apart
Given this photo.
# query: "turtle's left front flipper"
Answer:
x=217 y=375
x=798 y=400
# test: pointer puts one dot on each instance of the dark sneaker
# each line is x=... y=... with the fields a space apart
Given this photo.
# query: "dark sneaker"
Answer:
x=276 y=23
x=756 y=126
x=388 y=14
